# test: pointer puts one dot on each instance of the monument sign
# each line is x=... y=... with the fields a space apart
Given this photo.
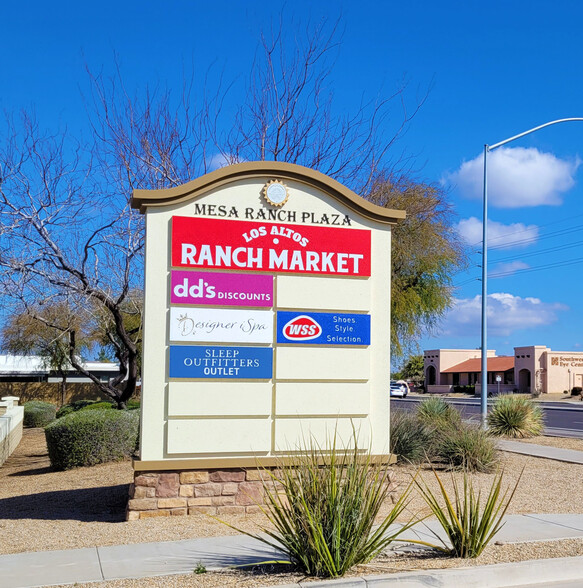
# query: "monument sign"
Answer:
x=266 y=321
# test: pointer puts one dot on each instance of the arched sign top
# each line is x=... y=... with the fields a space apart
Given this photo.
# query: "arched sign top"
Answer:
x=144 y=199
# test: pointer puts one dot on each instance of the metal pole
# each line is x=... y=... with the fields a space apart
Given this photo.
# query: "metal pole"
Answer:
x=484 y=389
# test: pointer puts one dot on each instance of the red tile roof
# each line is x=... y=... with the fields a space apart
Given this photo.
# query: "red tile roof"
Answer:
x=495 y=364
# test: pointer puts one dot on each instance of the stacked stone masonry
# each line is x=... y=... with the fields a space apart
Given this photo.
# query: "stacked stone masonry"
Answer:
x=215 y=492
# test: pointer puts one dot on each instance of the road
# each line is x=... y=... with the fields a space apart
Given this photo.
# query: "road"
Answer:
x=561 y=420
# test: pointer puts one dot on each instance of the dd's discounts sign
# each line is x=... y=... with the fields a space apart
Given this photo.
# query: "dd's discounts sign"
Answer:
x=267 y=297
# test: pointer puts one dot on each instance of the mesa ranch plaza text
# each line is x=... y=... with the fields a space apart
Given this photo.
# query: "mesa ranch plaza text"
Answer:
x=250 y=258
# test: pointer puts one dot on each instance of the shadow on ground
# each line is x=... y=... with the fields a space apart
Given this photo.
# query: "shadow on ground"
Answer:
x=105 y=504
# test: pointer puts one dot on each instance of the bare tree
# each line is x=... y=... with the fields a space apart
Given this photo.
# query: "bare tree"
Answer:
x=290 y=114
x=67 y=233
x=287 y=112
x=65 y=239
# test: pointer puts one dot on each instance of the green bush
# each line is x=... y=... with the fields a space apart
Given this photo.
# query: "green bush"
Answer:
x=410 y=439
x=38 y=413
x=466 y=447
x=89 y=437
x=469 y=523
x=83 y=405
x=437 y=413
x=576 y=391
x=467 y=389
x=100 y=406
x=515 y=416
x=322 y=506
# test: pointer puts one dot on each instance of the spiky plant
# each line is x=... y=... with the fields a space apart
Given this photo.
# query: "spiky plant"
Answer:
x=410 y=439
x=515 y=416
x=436 y=412
x=468 y=523
x=322 y=504
x=467 y=448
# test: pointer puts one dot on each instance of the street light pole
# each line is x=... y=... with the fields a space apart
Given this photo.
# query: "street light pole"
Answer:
x=487 y=149
x=484 y=389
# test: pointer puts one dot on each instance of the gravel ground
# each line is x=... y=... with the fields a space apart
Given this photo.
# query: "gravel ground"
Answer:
x=45 y=510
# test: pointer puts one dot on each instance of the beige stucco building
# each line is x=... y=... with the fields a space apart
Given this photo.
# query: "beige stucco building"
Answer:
x=532 y=369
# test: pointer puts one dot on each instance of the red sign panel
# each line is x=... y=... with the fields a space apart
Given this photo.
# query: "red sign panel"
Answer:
x=264 y=247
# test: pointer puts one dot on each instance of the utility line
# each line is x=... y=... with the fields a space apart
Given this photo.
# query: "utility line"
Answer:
x=537 y=268
x=540 y=252
x=526 y=230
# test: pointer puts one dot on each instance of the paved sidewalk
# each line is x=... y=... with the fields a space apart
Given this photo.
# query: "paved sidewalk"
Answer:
x=47 y=568
x=568 y=455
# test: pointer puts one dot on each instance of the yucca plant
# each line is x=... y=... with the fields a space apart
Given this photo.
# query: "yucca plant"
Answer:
x=466 y=447
x=322 y=505
x=436 y=412
x=515 y=416
x=410 y=439
x=468 y=524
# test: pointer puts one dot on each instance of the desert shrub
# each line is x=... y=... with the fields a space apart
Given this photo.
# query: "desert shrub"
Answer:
x=467 y=389
x=89 y=437
x=410 y=439
x=133 y=404
x=469 y=522
x=436 y=412
x=38 y=413
x=73 y=407
x=100 y=406
x=323 y=506
x=93 y=405
x=576 y=391
x=515 y=416
x=466 y=447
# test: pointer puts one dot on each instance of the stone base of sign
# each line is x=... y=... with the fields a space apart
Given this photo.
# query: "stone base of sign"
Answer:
x=209 y=491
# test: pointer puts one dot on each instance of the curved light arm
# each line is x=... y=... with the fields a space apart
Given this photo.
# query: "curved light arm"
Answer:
x=553 y=122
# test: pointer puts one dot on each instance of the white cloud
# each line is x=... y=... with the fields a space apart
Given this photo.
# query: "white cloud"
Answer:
x=507 y=269
x=500 y=235
x=221 y=160
x=506 y=314
x=517 y=177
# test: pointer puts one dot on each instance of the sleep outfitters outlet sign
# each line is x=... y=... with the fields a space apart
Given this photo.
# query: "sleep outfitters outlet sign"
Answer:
x=266 y=318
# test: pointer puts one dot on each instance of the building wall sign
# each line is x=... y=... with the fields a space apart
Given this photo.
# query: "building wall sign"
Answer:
x=266 y=247
x=565 y=361
x=241 y=363
x=323 y=328
x=210 y=325
x=222 y=289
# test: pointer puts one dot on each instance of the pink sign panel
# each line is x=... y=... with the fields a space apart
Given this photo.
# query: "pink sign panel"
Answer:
x=221 y=289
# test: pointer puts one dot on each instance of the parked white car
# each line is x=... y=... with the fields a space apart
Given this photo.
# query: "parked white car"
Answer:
x=399 y=389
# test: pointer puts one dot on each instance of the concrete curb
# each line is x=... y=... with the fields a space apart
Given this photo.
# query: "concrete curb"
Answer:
x=540 y=572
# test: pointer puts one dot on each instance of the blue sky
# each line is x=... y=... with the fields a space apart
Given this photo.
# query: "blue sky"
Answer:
x=494 y=69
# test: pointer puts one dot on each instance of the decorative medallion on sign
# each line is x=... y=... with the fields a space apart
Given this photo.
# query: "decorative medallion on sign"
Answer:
x=275 y=192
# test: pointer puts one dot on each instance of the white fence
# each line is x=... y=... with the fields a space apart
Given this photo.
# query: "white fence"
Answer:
x=11 y=417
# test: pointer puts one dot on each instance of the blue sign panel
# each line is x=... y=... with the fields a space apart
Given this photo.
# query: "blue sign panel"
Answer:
x=241 y=363
x=323 y=328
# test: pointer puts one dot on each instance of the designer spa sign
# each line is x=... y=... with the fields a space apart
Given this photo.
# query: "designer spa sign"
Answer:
x=266 y=316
